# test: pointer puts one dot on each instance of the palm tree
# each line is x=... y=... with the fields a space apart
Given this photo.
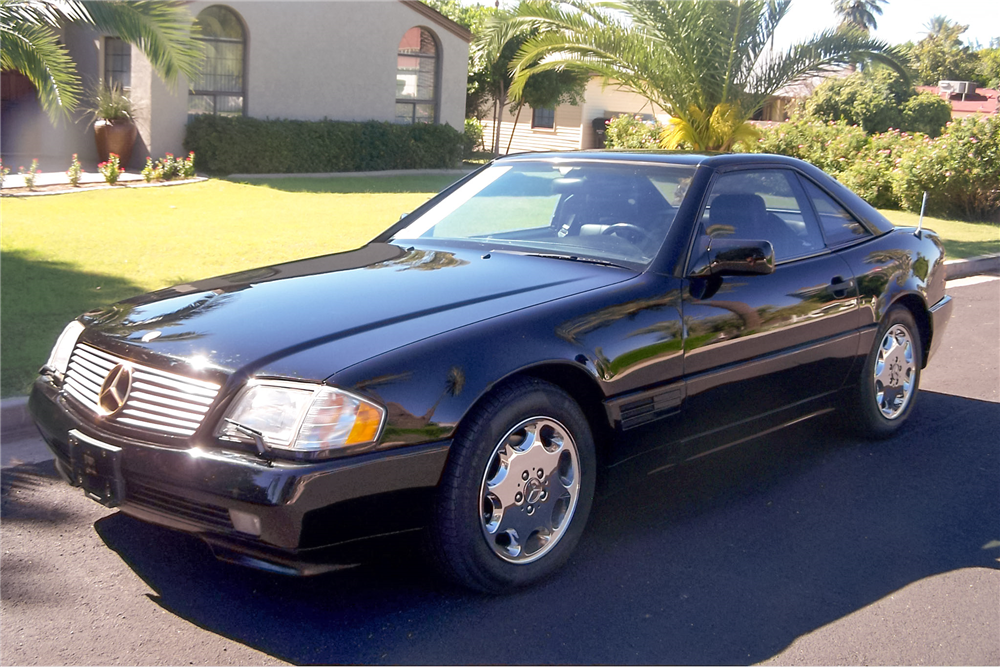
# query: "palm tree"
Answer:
x=859 y=14
x=706 y=63
x=29 y=41
x=495 y=47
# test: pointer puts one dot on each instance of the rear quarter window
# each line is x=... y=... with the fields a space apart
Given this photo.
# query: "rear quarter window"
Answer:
x=839 y=226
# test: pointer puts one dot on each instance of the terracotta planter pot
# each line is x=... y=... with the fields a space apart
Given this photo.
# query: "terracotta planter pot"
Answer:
x=116 y=137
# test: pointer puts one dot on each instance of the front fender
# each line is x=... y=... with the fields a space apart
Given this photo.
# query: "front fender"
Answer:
x=603 y=343
x=428 y=387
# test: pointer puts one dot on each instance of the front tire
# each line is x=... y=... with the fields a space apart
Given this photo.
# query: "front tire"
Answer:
x=518 y=488
x=890 y=377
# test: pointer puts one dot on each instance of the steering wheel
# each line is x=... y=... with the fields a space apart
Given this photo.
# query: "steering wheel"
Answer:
x=634 y=234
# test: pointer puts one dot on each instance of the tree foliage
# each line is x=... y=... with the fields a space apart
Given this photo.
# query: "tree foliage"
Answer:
x=858 y=14
x=30 y=41
x=941 y=55
x=707 y=63
x=497 y=46
x=988 y=69
x=878 y=99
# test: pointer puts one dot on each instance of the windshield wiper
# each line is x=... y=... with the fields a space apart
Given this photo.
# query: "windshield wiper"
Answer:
x=571 y=258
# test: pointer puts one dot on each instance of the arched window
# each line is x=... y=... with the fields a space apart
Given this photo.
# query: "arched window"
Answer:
x=416 y=77
x=221 y=86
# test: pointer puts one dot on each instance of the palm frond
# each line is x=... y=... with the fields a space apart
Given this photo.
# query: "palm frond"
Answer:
x=708 y=63
x=33 y=49
x=42 y=12
x=161 y=30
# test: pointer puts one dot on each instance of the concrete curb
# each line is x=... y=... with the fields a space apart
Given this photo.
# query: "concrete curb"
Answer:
x=15 y=420
x=973 y=266
x=14 y=417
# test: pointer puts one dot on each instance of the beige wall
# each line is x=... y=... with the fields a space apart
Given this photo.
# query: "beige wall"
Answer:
x=306 y=61
x=27 y=132
x=315 y=60
x=565 y=136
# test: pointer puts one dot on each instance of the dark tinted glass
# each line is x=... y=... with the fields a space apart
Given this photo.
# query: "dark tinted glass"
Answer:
x=839 y=226
x=543 y=118
x=764 y=205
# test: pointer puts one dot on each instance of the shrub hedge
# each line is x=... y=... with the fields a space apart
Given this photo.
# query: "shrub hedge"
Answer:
x=960 y=170
x=227 y=145
x=631 y=132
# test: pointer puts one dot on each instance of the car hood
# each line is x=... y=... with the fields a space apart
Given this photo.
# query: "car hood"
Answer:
x=367 y=301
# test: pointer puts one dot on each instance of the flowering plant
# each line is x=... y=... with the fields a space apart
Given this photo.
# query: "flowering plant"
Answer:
x=3 y=172
x=111 y=169
x=170 y=168
x=151 y=173
x=187 y=171
x=74 y=171
x=30 y=175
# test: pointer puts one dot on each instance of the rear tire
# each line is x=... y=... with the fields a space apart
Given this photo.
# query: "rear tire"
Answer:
x=516 y=493
x=890 y=377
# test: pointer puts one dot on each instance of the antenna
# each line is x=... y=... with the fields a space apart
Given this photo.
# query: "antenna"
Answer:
x=920 y=222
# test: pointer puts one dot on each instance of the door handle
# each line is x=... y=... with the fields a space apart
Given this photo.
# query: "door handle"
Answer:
x=839 y=287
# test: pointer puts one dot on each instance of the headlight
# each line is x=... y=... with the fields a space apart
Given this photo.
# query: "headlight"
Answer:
x=302 y=417
x=63 y=349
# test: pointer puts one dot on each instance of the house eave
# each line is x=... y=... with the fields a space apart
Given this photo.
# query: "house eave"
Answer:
x=439 y=18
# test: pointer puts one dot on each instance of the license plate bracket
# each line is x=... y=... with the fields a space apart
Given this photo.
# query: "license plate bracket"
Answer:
x=97 y=468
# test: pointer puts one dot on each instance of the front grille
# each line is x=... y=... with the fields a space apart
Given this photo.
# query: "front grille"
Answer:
x=203 y=514
x=158 y=401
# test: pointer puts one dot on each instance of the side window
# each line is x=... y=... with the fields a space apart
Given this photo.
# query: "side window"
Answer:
x=117 y=63
x=838 y=225
x=220 y=88
x=416 y=77
x=764 y=204
x=545 y=118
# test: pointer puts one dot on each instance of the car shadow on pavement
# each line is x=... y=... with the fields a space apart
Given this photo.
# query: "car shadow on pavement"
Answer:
x=724 y=561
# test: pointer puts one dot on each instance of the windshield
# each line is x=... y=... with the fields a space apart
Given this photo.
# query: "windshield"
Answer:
x=617 y=212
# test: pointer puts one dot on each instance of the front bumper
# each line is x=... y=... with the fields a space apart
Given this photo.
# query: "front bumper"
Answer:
x=304 y=510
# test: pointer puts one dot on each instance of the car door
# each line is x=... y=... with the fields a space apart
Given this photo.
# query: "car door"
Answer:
x=760 y=349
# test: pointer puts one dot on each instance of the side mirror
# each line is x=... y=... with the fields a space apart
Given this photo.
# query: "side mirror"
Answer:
x=735 y=257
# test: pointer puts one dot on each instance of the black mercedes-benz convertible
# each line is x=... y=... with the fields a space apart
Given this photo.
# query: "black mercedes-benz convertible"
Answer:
x=470 y=373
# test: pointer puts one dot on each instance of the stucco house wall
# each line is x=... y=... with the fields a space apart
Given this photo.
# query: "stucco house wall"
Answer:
x=573 y=127
x=304 y=60
x=27 y=132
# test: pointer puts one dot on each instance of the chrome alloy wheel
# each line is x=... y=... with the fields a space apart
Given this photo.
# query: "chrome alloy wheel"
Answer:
x=530 y=490
x=894 y=372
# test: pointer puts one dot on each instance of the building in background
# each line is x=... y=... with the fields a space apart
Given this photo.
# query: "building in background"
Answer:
x=965 y=97
x=568 y=127
x=400 y=62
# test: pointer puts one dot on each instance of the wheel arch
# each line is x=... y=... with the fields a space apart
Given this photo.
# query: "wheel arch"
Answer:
x=583 y=389
x=575 y=381
x=918 y=308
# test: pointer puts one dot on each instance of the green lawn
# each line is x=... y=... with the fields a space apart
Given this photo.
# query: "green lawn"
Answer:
x=63 y=255
x=961 y=239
